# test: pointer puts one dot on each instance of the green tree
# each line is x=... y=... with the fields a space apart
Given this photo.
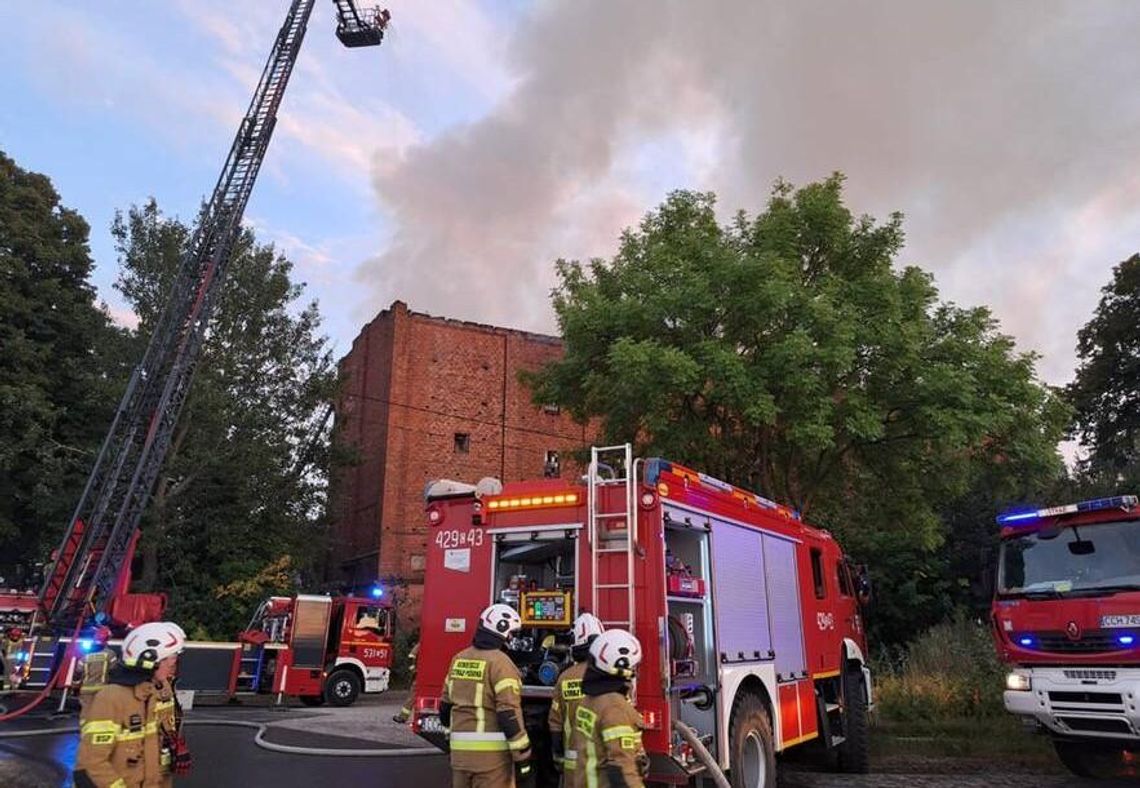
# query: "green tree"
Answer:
x=239 y=497
x=785 y=353
x=1106 y=391
x=62 y=365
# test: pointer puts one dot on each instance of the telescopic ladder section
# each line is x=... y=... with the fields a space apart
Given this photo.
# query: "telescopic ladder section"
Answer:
x=611 y=475
x=94 y=550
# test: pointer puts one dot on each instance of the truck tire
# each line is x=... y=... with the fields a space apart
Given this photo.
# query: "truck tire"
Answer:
x=341 y=687
x=853 y=756
x=752 y=746
x=1077 y=756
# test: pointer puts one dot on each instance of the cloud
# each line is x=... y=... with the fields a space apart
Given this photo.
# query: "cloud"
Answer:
x=1007 y=133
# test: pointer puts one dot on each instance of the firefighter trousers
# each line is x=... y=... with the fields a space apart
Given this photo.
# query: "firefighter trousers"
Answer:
x=502 y=776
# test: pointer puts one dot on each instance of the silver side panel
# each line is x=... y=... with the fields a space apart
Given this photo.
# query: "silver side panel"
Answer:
x=784 y=607
x=743 y=630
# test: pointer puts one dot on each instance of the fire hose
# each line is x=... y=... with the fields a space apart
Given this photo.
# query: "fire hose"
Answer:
x=260 y=740
x=694 y=741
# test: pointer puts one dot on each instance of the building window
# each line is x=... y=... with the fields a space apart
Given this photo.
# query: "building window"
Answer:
x=551 y=409
x=552 y=467
x=817 y=573
x=463 y=442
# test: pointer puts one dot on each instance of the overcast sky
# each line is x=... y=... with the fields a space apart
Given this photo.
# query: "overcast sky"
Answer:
x=449 y=167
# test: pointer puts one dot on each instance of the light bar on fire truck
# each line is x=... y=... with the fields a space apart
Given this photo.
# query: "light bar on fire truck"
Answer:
x=1095 y=505
x=538 y=500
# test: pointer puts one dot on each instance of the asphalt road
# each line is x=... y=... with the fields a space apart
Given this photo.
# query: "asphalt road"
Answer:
x=228 y=756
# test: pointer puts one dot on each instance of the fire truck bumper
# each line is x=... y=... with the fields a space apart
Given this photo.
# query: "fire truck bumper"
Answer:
x=1078 y=702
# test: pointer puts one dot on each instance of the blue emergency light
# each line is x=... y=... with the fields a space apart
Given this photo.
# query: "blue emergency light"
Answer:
x=377 y=592
x=21 y=656
x=1026 y=641
x=1126 y=640
x=1095 y=505
x=86 y=645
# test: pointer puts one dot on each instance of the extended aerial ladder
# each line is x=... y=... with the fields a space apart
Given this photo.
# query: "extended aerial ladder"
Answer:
x=99 y=540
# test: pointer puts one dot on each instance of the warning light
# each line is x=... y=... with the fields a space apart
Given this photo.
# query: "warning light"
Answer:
x=377 y=592
x=533 y=501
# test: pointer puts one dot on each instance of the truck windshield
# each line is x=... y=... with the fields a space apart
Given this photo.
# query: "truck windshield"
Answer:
x=1085 y=558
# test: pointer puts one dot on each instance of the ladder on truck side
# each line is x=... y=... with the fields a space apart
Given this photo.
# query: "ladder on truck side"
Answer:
x=612 y=551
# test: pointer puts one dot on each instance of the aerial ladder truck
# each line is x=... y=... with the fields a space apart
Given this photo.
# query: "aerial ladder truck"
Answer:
x=87 y=583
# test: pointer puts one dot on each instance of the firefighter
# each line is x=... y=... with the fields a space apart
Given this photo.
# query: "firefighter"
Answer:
x=568 y=690
x=129 y=736
x=13 y=645
x=607 y=728
x=97 y=665
x=482 y=706
x=405 y=712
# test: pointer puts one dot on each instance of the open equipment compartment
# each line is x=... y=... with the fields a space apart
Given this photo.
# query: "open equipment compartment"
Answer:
x=690 y=643
x=535 y=572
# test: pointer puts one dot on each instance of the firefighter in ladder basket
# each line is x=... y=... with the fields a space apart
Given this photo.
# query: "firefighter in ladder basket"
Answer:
x=607 y=728
x=130 y=735
x=482 y=707
x=568 y=691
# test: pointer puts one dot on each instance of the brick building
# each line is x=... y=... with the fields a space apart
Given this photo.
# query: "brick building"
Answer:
x=427 y=398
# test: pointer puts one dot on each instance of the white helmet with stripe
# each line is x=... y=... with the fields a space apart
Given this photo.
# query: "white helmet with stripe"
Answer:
x=501 y=619
x=586 y=627
x=147 y=645
x=616 y=652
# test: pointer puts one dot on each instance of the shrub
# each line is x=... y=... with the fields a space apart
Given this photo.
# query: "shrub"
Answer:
x=950 y=671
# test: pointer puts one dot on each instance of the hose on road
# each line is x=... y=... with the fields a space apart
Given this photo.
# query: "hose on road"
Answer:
x=260 y=741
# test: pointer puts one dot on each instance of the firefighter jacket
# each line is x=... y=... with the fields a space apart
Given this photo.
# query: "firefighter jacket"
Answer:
x=122 y=734
x=607 y=737
x=567 y=695
x=482 y=705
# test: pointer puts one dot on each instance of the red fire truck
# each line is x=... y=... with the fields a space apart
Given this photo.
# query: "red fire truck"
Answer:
x=318 y=648
x=1066 y=617
x=750 y=618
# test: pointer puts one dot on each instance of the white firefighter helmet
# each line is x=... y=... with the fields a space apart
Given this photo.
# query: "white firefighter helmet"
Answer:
x=147 y=645
x=586 y=626
x=501 y=619
x=616 y=652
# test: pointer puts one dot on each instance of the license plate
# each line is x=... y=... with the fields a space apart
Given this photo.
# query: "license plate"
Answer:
x=1117 y=622
x=429 y=723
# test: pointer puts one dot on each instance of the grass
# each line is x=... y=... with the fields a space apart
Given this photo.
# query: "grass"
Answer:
x=940 y=697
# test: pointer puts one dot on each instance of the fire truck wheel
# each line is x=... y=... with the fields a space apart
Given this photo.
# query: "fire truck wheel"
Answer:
x=341 y=687
x=313 y=700
x=854 y=754
x=753 y=750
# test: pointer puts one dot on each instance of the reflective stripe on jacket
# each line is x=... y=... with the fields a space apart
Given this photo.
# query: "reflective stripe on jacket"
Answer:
x=607 y=740
x=567 y=696
x=485 y=690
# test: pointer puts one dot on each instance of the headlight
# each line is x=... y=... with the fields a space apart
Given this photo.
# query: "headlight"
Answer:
x=1018 y=682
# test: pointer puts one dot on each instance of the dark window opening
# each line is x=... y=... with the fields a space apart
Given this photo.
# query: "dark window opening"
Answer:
x=844 y=579
x=463 y=442
x=817 y=573
x=552 y=467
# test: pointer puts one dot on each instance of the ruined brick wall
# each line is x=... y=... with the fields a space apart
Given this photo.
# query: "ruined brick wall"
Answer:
x=452 y=407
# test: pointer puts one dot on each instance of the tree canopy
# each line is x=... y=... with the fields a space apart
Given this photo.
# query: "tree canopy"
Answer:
x=784 y=352
x=237 y=512
x=1106 y=391
x=62 y=366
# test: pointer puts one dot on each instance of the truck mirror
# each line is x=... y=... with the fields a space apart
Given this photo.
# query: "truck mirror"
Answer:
x=863 y=586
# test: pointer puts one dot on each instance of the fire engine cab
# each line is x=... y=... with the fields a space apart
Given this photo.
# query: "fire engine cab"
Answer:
x=749 y=618
x=1066 y=618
